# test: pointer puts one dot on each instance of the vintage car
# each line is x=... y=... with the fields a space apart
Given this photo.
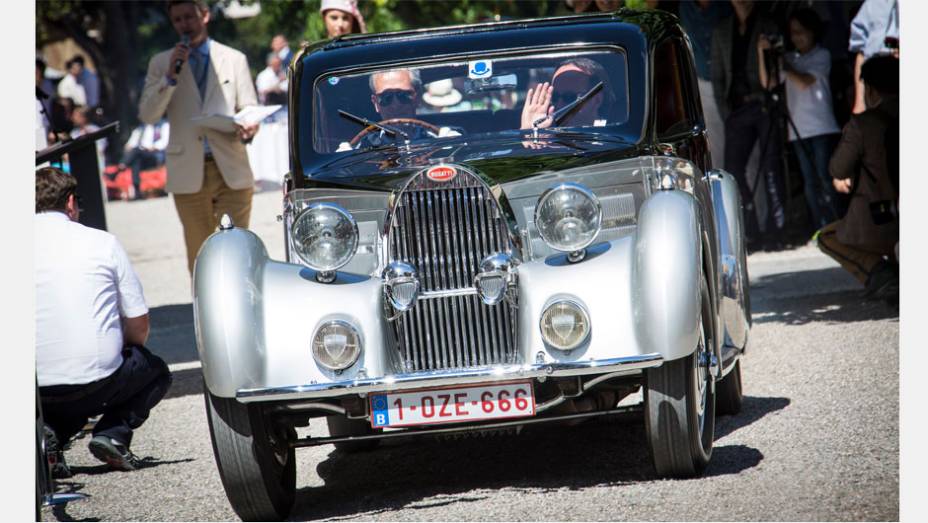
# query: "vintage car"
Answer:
x=487 y=227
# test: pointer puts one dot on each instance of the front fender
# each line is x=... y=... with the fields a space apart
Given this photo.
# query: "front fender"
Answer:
x=227 y=309
x=667 y=272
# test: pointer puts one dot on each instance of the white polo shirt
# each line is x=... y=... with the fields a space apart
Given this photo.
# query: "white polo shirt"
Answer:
x=84 y=284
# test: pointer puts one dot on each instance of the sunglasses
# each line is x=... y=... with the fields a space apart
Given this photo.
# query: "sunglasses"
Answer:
x=397 y=95
x=563 y=98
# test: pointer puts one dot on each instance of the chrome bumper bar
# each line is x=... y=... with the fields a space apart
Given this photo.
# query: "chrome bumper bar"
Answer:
x=440 y=378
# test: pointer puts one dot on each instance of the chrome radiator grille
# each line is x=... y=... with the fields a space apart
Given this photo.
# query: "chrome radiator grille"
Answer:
x=445 y=230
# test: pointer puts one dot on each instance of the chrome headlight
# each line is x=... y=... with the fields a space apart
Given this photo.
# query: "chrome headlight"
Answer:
x=568 y=217
x=401 y=285
x=565 y=324
x=336 y=345
x=325 y=236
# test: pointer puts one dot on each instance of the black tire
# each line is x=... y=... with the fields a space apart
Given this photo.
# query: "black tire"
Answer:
x=679 y=435
x=256 y=465
x=728 y=396
x=341 y=426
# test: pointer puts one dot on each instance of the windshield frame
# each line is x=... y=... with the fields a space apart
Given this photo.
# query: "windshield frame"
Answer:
x=305 y=160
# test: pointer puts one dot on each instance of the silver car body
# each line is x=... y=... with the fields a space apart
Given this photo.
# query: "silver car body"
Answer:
x=639 y=283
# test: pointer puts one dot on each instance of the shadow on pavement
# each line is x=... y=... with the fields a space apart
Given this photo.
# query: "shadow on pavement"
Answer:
x=147 y=463
x=172 y=335
x=826 y=298
x=425 y=473
x=185 y=382
x=753 y=408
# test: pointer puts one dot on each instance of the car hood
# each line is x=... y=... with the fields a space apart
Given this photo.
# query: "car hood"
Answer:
x=500 y=159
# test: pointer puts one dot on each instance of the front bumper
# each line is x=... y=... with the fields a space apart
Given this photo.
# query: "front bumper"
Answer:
x=419 y=380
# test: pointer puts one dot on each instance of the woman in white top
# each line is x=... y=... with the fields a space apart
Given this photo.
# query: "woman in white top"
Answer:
x=805 y=72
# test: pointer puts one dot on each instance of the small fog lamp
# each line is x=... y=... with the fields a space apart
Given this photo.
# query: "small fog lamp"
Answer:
x=493 y=279
x=336 y=345
x=565 y=325
x=400 y=285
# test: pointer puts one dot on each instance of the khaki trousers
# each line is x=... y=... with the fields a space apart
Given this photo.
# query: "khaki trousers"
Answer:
x=200 y=212
x=858 y=262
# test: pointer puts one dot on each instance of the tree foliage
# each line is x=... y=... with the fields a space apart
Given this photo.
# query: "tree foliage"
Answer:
x=121 y=37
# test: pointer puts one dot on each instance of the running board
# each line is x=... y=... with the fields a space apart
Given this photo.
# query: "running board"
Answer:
x=411 y=433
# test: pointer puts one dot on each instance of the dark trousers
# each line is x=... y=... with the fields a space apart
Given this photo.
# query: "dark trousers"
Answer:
x=820 y=193
x=124 y=398
x=138 y=159
x=746 y=125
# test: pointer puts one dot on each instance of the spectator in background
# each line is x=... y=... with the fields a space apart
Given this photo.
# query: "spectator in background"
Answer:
x=61 y=121
x=866 y=166
x=91 y=324
x=342 y=17
x=145 y=150
x=741 y=101
x=271 y=83
x=281 y=47
x=70 y=85
x=43 y=92
x=89 y=81
x=80 y=119
x=876 y=22
x=805 y=72
x=699 y=18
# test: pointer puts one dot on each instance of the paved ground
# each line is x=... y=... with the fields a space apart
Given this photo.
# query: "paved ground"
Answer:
x=818 y=438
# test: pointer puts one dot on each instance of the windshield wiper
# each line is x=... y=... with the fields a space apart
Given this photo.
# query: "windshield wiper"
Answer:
x=367 y=123
x=569 y=109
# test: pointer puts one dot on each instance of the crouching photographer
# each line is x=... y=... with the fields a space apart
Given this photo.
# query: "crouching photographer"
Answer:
x=865 y=165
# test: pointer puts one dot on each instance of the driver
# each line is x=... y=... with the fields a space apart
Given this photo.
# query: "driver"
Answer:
x=571 y=79
x=395 y=94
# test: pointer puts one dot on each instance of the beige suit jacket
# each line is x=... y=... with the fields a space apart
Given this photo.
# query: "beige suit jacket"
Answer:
x=228 y=89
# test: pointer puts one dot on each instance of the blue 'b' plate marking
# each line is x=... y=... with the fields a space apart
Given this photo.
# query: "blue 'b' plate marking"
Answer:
x=379 y=411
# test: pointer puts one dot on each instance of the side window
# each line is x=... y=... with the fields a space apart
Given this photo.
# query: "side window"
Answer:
x=670 y=88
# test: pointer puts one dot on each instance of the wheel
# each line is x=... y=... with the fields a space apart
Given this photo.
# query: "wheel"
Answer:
x=256 y=464
x=679 y=402
x=342 y=426
x=728 y=395
x=394 y=121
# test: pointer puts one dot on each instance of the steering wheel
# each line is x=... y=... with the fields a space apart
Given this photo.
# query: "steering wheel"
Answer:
x=393 y=121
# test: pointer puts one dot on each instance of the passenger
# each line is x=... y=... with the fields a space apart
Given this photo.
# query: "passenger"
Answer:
x=570 y=80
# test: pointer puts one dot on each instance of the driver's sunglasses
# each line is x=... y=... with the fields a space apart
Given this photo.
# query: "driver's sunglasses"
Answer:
x=561 y=99
x=398 y=95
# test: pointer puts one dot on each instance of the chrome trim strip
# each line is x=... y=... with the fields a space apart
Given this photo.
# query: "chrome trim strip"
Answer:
x=463 y=377
x=432 y=295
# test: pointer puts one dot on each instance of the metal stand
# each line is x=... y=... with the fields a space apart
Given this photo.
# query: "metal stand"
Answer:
x=82 y=157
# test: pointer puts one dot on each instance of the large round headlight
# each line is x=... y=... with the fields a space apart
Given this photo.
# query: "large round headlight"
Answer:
x=325 y=236
x=568 y=217
x=565 y=325
x=336 y=345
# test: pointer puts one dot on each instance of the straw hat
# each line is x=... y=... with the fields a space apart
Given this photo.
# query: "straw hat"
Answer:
x=442 y=94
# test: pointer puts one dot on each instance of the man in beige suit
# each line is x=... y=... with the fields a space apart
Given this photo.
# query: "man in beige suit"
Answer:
x=208 y=170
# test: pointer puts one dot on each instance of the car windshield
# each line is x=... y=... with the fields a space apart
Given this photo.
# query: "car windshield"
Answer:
x=470 y=97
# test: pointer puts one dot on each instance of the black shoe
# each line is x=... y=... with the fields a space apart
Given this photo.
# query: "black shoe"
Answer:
x=113 y=453
x=883 y=282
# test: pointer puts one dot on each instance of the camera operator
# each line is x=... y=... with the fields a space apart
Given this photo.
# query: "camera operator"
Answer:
x=813 y=131
x=741 y=101
x=866 y=166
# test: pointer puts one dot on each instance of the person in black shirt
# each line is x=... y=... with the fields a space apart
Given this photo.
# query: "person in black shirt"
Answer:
x=740 y=98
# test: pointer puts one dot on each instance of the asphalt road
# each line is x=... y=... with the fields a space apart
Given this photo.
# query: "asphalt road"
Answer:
x=818 y=438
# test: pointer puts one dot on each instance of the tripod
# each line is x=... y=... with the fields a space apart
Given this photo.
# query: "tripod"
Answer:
x=775 y=105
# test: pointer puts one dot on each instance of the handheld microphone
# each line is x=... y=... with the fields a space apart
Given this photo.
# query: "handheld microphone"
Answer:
x=184 y=39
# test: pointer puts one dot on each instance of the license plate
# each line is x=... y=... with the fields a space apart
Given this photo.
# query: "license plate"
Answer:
x=452 y=405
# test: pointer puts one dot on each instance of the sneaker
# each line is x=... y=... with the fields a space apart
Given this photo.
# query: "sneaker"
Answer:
x=113 y=453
